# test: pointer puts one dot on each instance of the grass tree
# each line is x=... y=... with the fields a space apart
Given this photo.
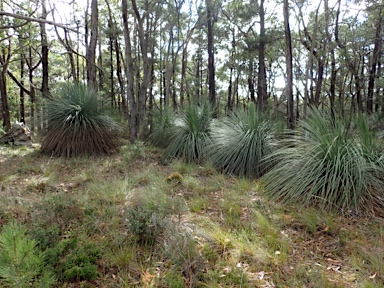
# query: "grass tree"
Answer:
x=241 y=142
x=329 y=164
x=190 y=133
x=162 y=127
x=78 y=125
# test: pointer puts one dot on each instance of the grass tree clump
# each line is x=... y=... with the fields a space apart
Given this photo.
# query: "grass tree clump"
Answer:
x=77 y=124
x=190 y=135
x=241 y=142
x=329 y=164
x=161 y=128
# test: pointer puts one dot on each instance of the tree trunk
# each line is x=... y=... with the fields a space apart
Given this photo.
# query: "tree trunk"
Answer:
x=44 y=54
x=251 y=82
x=211 y=56
x=289 y=71
x=22 y=102
x=4 y=101
x=91 y=46
x=130 y=76
x=262 y=99
x=375 y=59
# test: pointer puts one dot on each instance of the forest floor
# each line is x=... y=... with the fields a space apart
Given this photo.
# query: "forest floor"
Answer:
x=221 y=233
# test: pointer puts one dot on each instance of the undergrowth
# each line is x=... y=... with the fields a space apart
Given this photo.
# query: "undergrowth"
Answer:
x=128 y=220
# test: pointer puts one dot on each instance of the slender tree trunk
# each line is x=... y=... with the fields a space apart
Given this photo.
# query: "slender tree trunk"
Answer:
x=44 y=54
x=251 y=82
x=211 y=56
x=262 y=99
x=143 y=30
x=22 y=102
x=375 y=59
x=332 y=89
x=4 y=101
x=289 y=71
x=91 y=46
x=130 y=75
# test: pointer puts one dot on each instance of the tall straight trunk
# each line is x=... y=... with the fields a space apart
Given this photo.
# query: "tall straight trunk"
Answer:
x=32 y=94
x=262 y=99
x=211 y=56
x=130 y=75
x=44 y=54
x=21 y=94
x=332 y=89
x=289 y=71
x=251 y=82
x=375 y=59
x=91 y=46
x=168 y=69
x=4 y=100
x=143 y=26
x=379 y=100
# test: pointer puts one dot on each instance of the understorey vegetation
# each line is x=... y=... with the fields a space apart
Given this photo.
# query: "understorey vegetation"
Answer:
x=143 y=218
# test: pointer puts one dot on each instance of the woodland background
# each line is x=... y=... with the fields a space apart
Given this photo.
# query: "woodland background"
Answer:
x=143 y=56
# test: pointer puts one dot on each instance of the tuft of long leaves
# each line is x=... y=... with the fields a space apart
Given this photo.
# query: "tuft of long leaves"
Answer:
x=191 y=133
x=162 y=128
x=241 y=142
x=330 y=165
x=77 y=125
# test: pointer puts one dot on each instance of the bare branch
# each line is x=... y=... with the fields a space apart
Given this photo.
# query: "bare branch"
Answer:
x=38 y=20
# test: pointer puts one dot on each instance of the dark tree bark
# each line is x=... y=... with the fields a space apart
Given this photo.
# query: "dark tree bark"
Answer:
x=21 y=94
x=262 y=99
x=289 y=71
x=211 y=56
x=374 y=62
x=44 y=54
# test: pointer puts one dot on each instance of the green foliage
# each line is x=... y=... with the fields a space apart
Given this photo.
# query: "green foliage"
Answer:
x=161 y=128
x=329 y=165
x=241 y=143
x=191 y=133
x=22 y=264
x=74 y=260
x=80 y=263
x=147 y=215
x=180 y=248
x=77 y=125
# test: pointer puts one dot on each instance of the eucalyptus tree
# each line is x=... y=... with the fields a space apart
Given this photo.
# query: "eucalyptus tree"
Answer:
x=211 y=55
x=44 y=52
x=5 y=58
x=377 y=17
x=91 y=38
x=289 y=68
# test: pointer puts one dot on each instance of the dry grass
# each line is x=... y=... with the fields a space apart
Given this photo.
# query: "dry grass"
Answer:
x=225 y=233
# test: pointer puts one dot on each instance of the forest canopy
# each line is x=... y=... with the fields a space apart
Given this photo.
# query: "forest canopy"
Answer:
x=145 y=56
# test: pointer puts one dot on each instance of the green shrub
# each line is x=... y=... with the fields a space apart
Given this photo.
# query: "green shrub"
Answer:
x=73 y=259
x=180 y=248
x=329 y=165
x=77 y=125
x=147 y=215
x=80 y=263
x=241 y=142
x=191 y=134
x=22 y=264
